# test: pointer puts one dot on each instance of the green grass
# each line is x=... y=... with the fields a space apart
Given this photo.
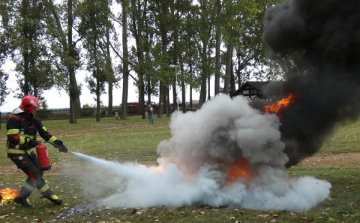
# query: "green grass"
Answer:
x=345 y=139
x=135 y=140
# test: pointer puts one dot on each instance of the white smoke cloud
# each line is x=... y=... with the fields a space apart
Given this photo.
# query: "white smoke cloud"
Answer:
x=194 y=163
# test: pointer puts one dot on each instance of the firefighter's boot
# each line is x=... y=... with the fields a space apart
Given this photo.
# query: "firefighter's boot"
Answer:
x=23 y=201
x=48 y=193
x=24 y=193
x=55 y=199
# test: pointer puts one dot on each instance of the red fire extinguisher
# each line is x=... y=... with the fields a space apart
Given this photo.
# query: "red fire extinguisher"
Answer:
x=43 y=157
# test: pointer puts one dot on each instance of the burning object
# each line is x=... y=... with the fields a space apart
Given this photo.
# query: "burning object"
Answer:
x=7 y=195
x=277 y=106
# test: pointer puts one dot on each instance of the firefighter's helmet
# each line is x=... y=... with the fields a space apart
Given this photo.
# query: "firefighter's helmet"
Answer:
x=29 y=103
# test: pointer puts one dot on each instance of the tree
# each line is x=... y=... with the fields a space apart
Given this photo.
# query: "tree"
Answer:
x=163 y=21
x=64 y=50
x=4 y=48
x=141 y=28
x=180 y=11
x=242 y=31
x=109 y=70
x=217 y=46
x=93 y=27
x=3 y=89
x=125 y=60
x=22 y=21
x=205 y=25
x=189 y=53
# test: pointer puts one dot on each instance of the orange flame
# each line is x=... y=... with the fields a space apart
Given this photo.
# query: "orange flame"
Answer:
x=278 y=105
x=240 y=168
x=8 y=194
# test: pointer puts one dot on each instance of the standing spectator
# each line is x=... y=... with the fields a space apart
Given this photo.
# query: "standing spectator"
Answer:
x=150 y=114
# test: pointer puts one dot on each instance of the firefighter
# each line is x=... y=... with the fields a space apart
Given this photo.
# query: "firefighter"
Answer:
x=22 y=128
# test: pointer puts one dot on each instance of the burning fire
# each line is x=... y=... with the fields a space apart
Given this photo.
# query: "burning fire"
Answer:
x=278 y=105
x=240 y=168
x=7 y=195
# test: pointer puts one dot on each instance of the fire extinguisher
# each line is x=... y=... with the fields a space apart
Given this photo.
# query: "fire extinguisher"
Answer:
x=43 y=157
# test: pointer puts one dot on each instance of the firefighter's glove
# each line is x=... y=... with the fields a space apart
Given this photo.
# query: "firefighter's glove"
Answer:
x=60 y=145
x=31 y=144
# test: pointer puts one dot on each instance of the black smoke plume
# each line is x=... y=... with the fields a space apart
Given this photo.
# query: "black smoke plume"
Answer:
x=320 y=43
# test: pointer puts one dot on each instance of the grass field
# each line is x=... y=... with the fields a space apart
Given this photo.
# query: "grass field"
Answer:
x=135 y=140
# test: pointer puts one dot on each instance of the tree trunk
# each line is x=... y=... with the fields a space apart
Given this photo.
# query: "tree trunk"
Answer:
x=167 y=100
x=191 y=88
x=232 y=80
x=229 y=53
x=141 y=110
x=161 y=100
x=204 y=75
x=98 y=111
x=183 y=89
x=217 y=51
x=125 y=62
x=74 y=94
x=110 y=98
x=149 y=90
x=202 y=97
x=183 y=94
x=208 y=88
x=174 y=90
x=110 y=74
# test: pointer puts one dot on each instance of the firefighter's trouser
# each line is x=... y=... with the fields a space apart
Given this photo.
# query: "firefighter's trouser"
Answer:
x=29 y=164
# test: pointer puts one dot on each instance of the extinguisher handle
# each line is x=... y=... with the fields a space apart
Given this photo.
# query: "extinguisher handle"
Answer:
x=62 y=148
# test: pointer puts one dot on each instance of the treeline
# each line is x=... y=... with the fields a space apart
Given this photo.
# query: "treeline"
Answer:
x=53 y=114
x=159 y=44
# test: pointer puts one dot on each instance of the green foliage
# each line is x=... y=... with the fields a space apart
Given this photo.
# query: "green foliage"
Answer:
x=242 y=26
x=87 y=106
x=3 y=89
x=24 y=33
x=93 y=28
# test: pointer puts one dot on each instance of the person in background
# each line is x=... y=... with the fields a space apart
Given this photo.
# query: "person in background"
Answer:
x=151 y=114
x=22 y=129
